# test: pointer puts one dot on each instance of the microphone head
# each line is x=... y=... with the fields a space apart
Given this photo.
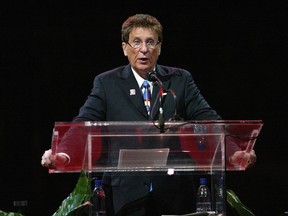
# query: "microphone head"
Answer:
x=152 y=76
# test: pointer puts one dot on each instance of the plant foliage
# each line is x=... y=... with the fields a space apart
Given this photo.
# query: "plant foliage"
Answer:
x=81 y=194
x=235 y=203
x=2 y=213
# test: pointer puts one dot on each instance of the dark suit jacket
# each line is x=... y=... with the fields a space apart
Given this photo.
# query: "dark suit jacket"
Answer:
x=116 y=97
x=111 y=99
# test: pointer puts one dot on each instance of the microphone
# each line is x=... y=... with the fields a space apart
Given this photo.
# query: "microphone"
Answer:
x=152 y=76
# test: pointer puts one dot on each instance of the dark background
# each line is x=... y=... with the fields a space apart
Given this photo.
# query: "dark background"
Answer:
x=51 y=51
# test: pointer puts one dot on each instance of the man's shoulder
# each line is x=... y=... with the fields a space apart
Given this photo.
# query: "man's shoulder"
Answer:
x=115 y=72
x=173 y=71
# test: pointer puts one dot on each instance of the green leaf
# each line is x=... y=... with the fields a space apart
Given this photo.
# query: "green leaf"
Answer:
x=80 y=194
x=2 y=213
x=83 y=210
x=235 y=202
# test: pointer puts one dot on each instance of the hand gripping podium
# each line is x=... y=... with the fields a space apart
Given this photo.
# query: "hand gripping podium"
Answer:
x=198 y=147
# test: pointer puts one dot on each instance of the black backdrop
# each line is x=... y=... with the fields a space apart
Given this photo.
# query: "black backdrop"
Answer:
x=51 y=51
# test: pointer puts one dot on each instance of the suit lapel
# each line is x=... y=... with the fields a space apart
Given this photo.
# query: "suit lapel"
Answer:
x=131 y=90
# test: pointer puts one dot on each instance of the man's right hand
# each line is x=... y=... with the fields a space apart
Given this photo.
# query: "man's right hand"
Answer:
x=52 y=161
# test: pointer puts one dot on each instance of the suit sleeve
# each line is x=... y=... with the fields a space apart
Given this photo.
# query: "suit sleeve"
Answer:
x=197 y=108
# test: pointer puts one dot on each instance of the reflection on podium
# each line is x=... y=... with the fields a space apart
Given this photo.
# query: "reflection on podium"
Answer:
x=195 y=148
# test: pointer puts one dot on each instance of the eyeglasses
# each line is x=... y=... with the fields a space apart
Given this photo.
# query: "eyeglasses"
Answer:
x=136 y=44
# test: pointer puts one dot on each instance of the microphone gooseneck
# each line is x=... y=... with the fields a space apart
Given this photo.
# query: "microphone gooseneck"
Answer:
x=152 y=76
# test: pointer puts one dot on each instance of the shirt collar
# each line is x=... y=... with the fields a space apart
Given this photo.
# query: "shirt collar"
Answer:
x=140 y=80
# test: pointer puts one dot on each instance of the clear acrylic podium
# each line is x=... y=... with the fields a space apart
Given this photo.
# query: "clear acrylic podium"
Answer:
x=202 y=148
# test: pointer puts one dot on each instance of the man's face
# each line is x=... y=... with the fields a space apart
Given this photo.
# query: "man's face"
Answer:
x=142 y=50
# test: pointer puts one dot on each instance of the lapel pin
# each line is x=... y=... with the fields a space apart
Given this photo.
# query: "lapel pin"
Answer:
x=132 y=92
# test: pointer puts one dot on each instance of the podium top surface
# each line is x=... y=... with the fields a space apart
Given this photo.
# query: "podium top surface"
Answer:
x=167 y=123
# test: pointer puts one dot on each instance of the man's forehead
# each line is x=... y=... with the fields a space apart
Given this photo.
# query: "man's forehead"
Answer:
x=141 y=33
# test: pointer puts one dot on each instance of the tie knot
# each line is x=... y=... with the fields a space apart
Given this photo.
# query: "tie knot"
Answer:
x=145 y=84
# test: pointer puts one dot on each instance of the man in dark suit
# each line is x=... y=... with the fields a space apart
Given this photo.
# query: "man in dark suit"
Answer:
x=117 y=96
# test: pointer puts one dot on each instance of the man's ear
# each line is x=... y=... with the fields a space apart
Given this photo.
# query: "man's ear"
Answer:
x=123 y=48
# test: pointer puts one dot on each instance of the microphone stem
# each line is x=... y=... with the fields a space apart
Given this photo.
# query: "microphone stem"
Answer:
x=153 y=77
x=161 y=111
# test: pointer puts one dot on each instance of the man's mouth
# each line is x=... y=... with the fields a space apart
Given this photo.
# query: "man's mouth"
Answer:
x=143 y=59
